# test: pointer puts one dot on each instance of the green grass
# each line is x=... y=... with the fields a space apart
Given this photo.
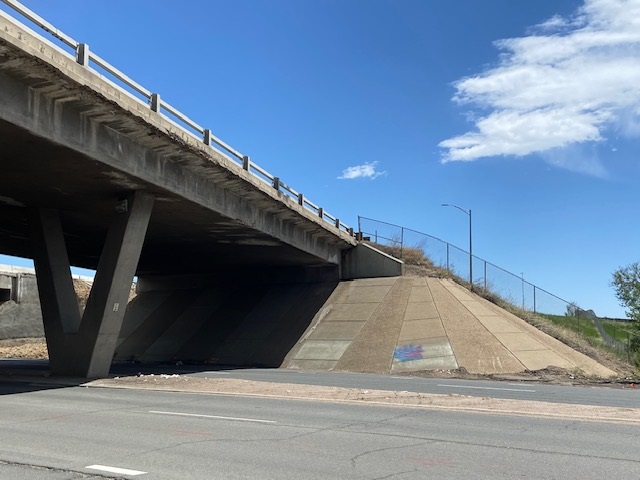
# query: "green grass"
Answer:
x=581 y=325
x=618 y=331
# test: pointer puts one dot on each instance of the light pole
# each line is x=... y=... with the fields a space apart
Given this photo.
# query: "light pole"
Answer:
x=468 y=212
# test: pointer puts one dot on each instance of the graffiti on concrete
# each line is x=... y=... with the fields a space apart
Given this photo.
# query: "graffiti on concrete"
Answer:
x=407 y=353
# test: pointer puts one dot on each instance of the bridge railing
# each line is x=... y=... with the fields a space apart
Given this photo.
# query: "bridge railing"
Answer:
x=84 y=56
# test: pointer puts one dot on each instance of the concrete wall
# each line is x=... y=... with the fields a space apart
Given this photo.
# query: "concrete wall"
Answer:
x=20 y=316
x=364 y=261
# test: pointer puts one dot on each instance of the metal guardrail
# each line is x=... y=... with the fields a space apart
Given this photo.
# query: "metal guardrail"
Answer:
x=85 y=57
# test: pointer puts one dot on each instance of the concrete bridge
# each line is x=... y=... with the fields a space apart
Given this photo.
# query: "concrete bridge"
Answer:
x=98 y=172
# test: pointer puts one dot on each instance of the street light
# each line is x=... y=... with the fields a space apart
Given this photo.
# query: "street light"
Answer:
x=468 y=212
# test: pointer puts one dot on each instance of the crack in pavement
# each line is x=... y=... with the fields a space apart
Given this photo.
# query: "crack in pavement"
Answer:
x=368 y=452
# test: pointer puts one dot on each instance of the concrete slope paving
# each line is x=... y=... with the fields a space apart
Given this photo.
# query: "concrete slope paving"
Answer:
x=532 y=347
x=405 y=324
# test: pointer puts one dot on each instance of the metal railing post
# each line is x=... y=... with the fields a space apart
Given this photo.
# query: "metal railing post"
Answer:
x=82 y=54
x=534 y=300
x=155 y=102
x=401 y=240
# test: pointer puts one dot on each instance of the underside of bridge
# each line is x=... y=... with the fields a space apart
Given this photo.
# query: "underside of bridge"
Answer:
x=183 y=237
x=90 y=177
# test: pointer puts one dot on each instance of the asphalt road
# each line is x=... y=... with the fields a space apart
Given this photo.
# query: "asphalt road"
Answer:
x=58 y=433
x=601 y=395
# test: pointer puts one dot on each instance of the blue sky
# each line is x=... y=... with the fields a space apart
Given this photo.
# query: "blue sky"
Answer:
x=528 y=113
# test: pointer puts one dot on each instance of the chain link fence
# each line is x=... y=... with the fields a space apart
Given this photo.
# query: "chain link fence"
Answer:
x=496 y=283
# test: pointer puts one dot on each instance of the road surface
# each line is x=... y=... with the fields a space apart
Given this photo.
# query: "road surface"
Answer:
x=80 y=432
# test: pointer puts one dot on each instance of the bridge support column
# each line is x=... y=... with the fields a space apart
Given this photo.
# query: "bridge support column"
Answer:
x=84 y=345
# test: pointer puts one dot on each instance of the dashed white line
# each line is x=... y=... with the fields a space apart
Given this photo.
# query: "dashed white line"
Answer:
x=215 y=417
x=119 y=471
x=487 y=388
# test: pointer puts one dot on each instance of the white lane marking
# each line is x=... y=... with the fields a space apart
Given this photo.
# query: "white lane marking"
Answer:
x=217 y=417
x=119 y=471
x=487 y=388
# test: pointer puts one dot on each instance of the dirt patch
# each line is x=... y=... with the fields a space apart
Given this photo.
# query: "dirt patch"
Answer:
x=23 y=348
x=183 y=383
x=551 y=375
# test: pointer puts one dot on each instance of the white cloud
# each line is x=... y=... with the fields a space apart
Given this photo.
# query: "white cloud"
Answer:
x=366 y=170
x=566 y=84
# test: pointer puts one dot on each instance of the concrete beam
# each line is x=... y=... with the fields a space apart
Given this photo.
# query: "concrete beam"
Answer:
x=84 y=346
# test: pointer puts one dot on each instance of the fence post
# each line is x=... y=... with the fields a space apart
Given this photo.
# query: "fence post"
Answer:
x=485 y=276
x=614 y=332
x=359 y=227
x=534 y=300
x=401 y=240
x=448 y=270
